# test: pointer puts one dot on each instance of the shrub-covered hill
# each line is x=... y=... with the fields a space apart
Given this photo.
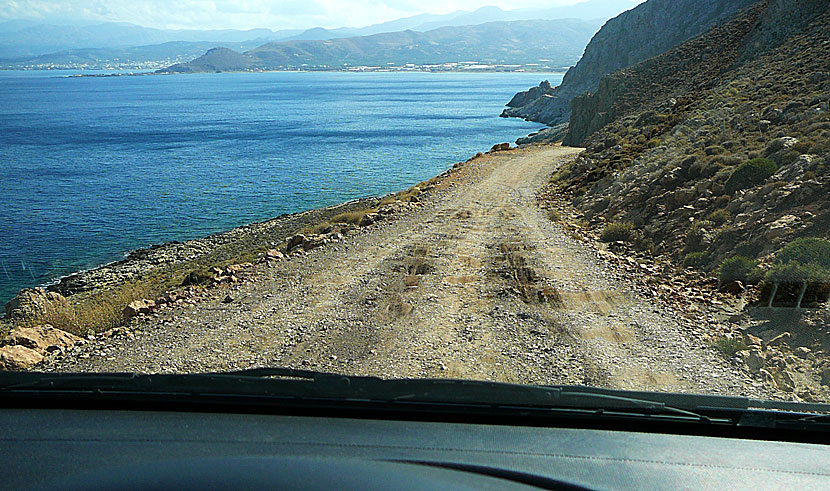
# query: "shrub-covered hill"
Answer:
x=718 y=148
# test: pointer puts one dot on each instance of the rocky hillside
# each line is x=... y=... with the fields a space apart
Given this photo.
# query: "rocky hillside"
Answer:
x=520 y=42
x=215 y=60
x=716 y=150
x=636 y=35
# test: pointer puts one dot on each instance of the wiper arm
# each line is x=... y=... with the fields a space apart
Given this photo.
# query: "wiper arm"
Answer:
x=279 y=383
x=290 y=381
x=556 y=396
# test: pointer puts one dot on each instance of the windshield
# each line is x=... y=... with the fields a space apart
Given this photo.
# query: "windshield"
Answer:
x=621 y=195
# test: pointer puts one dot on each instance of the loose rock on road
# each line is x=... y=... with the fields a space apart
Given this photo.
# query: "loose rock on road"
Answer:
x=478 y=284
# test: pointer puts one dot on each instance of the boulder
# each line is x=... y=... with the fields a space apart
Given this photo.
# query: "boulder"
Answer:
x=783 y=226
x=35 y=303
x=368 y=219
x=274 y=255
x=312 y=242
x=136 y=307
x=778 y=144
x=500 y=147
x=756 y=360
x=796 y=169
x=18 y=358
x=40 y=338
x=732 y=288
x=237 y=268
x=295 y=241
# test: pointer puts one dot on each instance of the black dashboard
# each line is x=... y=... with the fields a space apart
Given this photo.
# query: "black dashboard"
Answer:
x=119 y=449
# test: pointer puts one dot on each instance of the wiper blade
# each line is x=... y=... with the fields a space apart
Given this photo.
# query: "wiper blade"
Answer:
x=275 y=384
x=289 y=382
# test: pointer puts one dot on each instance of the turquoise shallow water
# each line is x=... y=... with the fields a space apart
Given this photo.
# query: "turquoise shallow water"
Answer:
x=93 y=167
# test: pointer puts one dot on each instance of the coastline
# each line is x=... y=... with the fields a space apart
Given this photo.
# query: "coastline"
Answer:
x=165 y=73
x=159 y=269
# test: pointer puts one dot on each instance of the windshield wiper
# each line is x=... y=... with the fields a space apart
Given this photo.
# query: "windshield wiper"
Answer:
x=278 y=385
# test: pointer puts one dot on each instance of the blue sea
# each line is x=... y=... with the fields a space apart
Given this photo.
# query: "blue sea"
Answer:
x=93 y=167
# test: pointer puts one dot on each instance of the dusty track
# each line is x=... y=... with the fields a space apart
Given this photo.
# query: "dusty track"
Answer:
x=478 y=283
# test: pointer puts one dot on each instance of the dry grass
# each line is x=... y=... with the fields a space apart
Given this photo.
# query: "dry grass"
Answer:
x=352 y=217
x=102 y=310
x=94 y=313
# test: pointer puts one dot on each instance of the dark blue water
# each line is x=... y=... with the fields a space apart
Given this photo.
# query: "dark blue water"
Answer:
x=93 y=167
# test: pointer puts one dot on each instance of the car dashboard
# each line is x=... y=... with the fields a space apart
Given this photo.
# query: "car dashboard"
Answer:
x=143 y=449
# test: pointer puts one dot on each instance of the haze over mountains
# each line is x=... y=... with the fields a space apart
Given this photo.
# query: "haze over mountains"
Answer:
x=25 y=41
x=549 y=43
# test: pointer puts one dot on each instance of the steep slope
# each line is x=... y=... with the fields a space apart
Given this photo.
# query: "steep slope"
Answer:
x=633 y=36
x=674 y=142
x=496 y=42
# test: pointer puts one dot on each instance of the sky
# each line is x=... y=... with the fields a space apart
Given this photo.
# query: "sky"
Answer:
x=247 y=14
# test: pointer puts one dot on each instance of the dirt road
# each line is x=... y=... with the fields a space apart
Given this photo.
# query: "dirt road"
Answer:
x=478 y=283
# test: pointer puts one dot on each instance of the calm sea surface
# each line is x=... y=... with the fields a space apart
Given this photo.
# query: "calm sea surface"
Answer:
x=93 y=167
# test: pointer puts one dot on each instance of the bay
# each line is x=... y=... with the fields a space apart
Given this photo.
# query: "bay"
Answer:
x=92 y=167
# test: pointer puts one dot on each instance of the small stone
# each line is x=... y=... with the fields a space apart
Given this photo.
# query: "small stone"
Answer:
x=138 y=307
x=751 y=340
x=803 y=352
x=768 y=378
x=227 y=299
x=780 y=339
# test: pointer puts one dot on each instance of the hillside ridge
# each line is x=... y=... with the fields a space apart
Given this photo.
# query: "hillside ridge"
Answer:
x=517 y=42
x=647 y=30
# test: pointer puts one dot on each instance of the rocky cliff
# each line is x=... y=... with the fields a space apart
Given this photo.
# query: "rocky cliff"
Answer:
x=636 y=35
x=716 y=149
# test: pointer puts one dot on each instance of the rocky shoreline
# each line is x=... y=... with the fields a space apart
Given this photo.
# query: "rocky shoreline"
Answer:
x=185 y=266
x=143 y=261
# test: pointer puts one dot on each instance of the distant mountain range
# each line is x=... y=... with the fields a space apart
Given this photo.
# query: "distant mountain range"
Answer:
x=23 y=40
x=556 y=42
x=20 y=40
x=588 y=10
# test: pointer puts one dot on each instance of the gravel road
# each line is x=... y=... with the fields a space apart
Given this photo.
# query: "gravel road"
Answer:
x=476 y=283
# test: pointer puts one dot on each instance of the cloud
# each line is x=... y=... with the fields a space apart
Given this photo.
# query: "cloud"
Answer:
x=245 y=14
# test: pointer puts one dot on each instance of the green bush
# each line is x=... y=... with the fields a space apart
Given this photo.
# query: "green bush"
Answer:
x=696 y=259
x=750 y=173
x=739 y=268
x=802 y=260
x=792 y=272
x=809 y=250
x=719 y=217
x=554 y=215
x=617 y=231
x=729 y=346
